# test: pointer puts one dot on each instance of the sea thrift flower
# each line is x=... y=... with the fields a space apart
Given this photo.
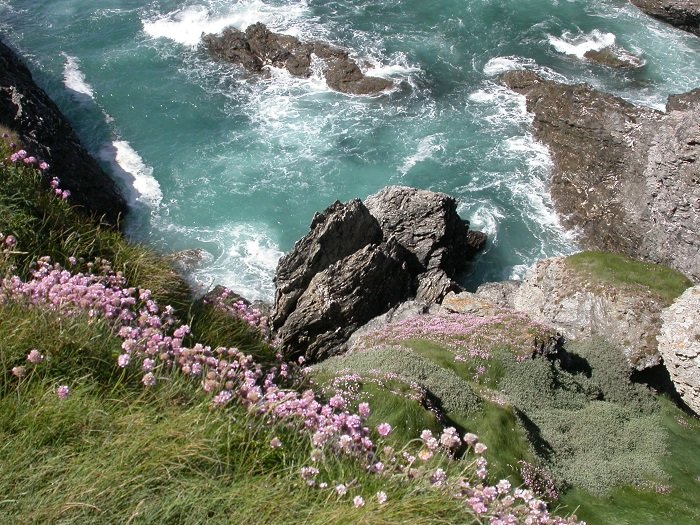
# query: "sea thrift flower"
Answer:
x=19 y=371
x=449 y=438
x=149 y=379
x=43 y=166
x=358 y=501
x=222 y=397
x=480 y=448
x=384 y=429
x=275 y=442
x=381 y=497
x=341 y=490
x=471 y=439
x=123 y=360
x=10 y=241
x=309 y=474
x=363 y=409
x=147 y=365
x=62 y=392
x=35 y=357
x=438 y=478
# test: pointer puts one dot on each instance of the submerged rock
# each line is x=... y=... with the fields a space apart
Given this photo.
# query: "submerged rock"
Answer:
x=257 y=47
x=627 y=178
x=46 y=134
x=679 y=345
x=683 y=14
x=613 y=57
x=358 y=261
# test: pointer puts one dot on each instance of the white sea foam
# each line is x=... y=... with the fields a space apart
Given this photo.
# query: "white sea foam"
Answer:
x=130 y=168
x=74 y=79
x=240 y=255
x=427 y=146
x=483 y=216
x=578 y=44
x=498 y=65
x=186 y=25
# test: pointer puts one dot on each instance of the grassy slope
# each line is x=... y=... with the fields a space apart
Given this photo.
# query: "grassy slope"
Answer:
x=113 y=452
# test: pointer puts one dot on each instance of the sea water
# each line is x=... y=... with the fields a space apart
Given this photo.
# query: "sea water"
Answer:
x=235 y=165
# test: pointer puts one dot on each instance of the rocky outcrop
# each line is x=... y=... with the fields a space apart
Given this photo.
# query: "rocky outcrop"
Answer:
x=679 y=345
x=627 y=178
x=358 y=261
x=45 y=133
x=683 y=14
x=578 y=306
x=613 y=57
x=258 y=47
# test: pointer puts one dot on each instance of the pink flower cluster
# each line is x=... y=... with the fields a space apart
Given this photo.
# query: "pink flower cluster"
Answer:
x=226 y=301
x=153 y=340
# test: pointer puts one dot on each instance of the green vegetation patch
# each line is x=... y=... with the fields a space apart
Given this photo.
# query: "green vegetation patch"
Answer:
x=621 y=270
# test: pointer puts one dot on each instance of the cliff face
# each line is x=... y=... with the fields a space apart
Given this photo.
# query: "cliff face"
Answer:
x=684 y=14
x=627 y=178
x=45 y=133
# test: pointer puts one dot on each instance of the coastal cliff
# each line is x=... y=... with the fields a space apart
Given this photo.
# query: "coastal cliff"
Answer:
x=42 y=129
x=627 y=178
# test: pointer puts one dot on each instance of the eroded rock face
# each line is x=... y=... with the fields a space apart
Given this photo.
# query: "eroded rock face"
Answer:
x=613 y=57
x=679 y=345
x=627 y=178
x=45 y=133
x=257 y=47
x=683 y=14
x=359 y=261
x=554 y=293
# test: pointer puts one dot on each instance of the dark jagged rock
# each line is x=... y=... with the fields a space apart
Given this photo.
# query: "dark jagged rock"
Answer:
x=258 y=47
x=344 y=296
x=683 y=14
x=359 y=261
x=341 y=230
x=627 y=178
x=45 y=133
x=613 y=57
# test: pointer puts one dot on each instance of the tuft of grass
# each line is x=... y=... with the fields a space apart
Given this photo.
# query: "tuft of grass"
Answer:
x=621 y=270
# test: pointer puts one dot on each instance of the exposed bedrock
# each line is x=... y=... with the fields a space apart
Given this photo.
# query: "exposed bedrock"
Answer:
x=683 y=14
x=257 y=47
x=679 y=345
x=45 y=133
x=627 y=178
x=358 y=261
x=579 y=307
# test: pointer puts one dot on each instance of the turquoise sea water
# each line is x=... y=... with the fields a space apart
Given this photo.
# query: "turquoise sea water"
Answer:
x=215 y=159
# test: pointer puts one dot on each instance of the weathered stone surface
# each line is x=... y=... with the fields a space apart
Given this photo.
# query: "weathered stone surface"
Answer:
x=357 y=262
x=470 y=303
x=427 y=224
x=626 y=178
x=258 y=47
x=45 y=133
x=341 y=230
x=345 y=295
x=554 y=293
x=683 y=14
x=679 y=345
x=613 y=57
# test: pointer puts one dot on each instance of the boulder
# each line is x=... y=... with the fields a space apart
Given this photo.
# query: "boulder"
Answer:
x=46 y=134
x=625 y=177
x=358 y=261
x=683 y=14
x=257 y=47
x=679 y=345
x=344 y=296
x=579 y=307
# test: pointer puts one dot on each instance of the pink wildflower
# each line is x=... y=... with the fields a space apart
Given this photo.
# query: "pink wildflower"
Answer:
x=363 y=410
x=43 y=166
x=358 y=501
x=480 y=448
x=275 y=442
x=19 y=371
x=62 y=392
x=381 y=497
x=384 y=429
x=149 y=379
x=35 y=356
x=341 y=489
x=123 y=360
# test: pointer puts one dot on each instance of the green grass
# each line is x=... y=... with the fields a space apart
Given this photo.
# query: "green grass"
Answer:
x=114 y=452
x=622 y=270
x=629 y=506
